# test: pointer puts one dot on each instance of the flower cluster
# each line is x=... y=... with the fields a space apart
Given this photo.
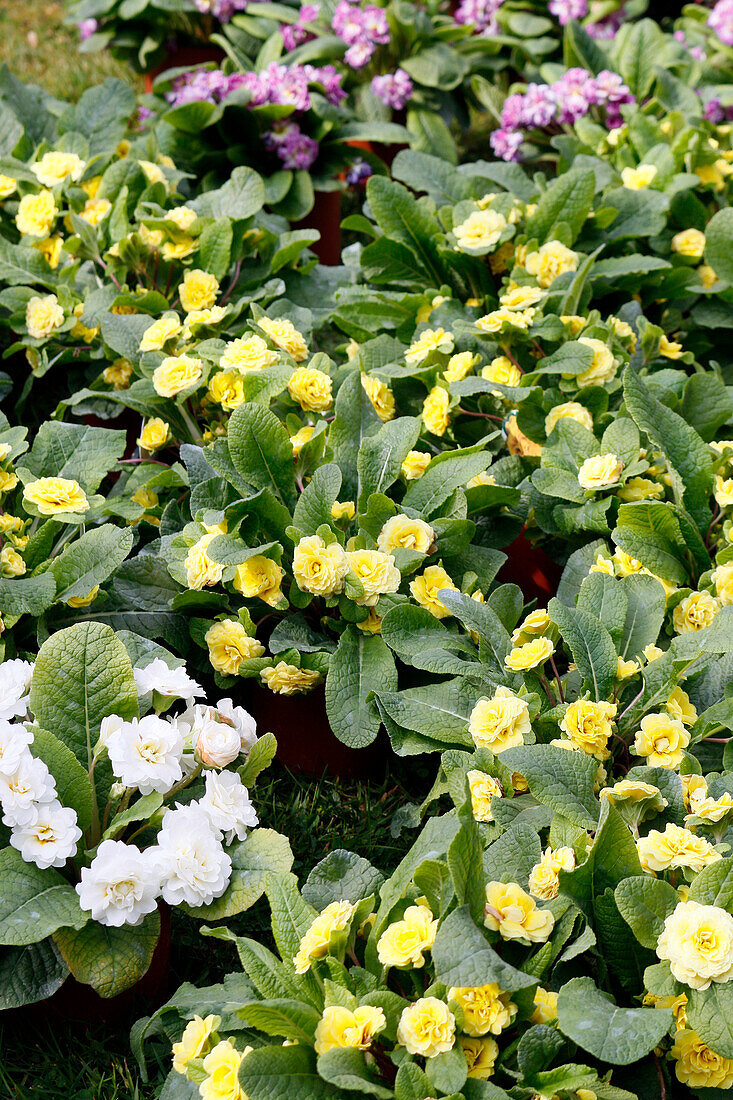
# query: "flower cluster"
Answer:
x=394 y=89
x=362 y=28
x=284 y=85
x=570 y=98
x=720 y=21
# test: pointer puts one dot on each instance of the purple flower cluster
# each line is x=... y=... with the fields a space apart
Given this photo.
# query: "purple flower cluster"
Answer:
x=294 y=148
x=394 y=89
x=281 y=84
x=566 y=10
x=481 y=14
x=359 y=172
x=296 y=33
x=720 y=21
x=222 y=10
x=696 y=52
x=362 y=29
x=563 y=102
x=87 y=28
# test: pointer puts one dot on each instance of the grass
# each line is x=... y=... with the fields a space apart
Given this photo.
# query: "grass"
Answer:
x=39 y=49
x=44 y=1055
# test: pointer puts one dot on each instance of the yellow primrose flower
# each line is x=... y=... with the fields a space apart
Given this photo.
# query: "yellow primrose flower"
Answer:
x=512 y=913
x=151 y=238
x=724 y=491
x=198 y=290
x=311 y=388
x=286 y=679
x=247 y=353
x=402 y=533
x=372 y=624
x=521 y=297
x=230 y=644
x=502 y=370
x=483 y=788
x=301 y=437
x=8 y=186
x=552 y=259
x=194 y=1041
x=118 y=375
x=425 y=590
x=8 y=481
x=575 y=323
x=54 y=168
x=222 y=1066
x=201 y=570
x=285 y=336
x=722 y=578
x=697 y=1066
x=176 y=250
x=537 y=622
x=529 y=655
x=36 y=214
x=459 y=366
x=81 y=331
x=95 y=210
x=318 y=568
x=182 y=216
x=670 y=349
x=259 y=577
x=315 y=943
x=175 y=374
x=495 y=321
x=652 y=653
x=11 y=563
x=43 y=315
x=415 y=465
x=428 y=341
x=544 y=878
x=678 y=705
x=226 y=389
x=427 y=1027
x=695 y=612
x=698 y=942
x=343 y=509
x=545 y=1006
x=500 y=722
x=404 y=942
x=480 y=1055
x=690 y=242
x=377 y=573
x=569 y=410
x=675 y=847
x=486 y=1009
x=603 y=367
x=600 y=472
x=626 y=669
x=481 y=229
x=51 y=249
x=636 y=179
x=154 y=434
x=662 y=740
x=435 y=411
x=589 y=726
x=157 y=335
x=380 y=395
x=707 y=276
x=54 y=496
x=339 y=1027
x=153 y=173
x=640 y=488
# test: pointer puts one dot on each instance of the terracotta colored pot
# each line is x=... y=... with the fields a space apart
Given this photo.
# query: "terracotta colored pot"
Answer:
x=185 y=55
x=529 y=567
x=326 y=218
x=76 y=1001
x=305 y=742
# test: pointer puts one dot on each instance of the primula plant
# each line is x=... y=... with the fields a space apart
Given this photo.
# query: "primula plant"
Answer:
x=116 y=800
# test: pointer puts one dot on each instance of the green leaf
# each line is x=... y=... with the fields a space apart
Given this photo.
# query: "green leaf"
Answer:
x=291 y=1019
x=381 y=456
x=261 y=451
x=291 y=915
x=644 y=903
x=710 y=1013
x=285 y=1073
x=34 y=902
x=341 y=875
x=714 y=884
x=102 y=114
x=347 y=1069
x=567 y=200
x=21 y=265
x=215 y=247
x=604 y=598
x=512 y=856
x=640 y=56
x=90 y=560
x=687 y=454
x=75 y=451
x=645 y=609
x=263 y=853
x=559 y=779
x=361 y=664
x=141 y=810
x=30 y=974
x=109 y=959
x=590 y=644
x=315 y=502
x=719 y=244
x=448 y=471
x=260 y=757
x=614 y=1035
x=648 y=530
x=27 y=595
x=611 y=859
x=73 y=785
x=403 y=219
x=463 y=956
x=354 y=420
x=82 y=675
x=241 y=196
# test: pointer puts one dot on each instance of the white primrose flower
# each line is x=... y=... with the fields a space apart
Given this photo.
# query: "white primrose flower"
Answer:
x=15 y=684
x=146 y=753
x=51 y=839
x=227 y=805
x=107 y=727
x=172 y=683
x=242 y=721
x=215 y=743
x=121 y=886
x=14 y=742
x=21 y=792
x=194 y=868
